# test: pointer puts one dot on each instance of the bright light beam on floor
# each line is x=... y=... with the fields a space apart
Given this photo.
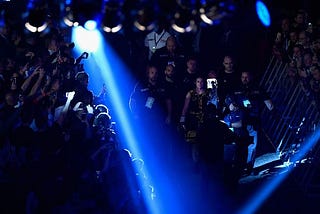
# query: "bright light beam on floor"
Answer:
x=264 y=192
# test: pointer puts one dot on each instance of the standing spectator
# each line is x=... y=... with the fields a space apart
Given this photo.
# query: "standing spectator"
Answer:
x=192 y=115
x=149 y=101
x=157 y=38
x=304 y=39
x=293 y=39
x=170 y=54
x=82 y=93
x=172 y=88
x=251 y=97
x=315 y=83
x=151 y=107
x=228 y=78
x=236 y=120
x=285 y=38
x=300 y=20
x=187 y=76
x=283 y=34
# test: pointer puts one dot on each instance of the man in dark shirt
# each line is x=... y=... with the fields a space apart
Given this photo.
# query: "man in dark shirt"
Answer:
x=228 y=78
x=170 y=54
x=252 y=97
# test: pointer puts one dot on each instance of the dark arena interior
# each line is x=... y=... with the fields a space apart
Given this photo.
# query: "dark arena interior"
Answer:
x=159 y=106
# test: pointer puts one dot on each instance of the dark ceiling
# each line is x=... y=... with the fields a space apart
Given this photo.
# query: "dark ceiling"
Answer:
x=243 y=18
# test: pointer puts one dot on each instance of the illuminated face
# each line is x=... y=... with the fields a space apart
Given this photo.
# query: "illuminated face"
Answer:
x=245 y=78
x=199 y=83
x=169 y=71
x=171 y=45
x=152 y=73
x=228 y=64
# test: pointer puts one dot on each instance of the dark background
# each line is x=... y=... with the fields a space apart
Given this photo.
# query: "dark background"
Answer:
x=249 y=41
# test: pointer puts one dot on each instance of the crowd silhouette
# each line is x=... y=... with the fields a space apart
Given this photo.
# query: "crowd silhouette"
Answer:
x=59 y=147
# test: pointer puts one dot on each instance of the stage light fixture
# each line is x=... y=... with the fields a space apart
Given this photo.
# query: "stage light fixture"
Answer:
x=184 y=21
x=37 y=20
x=90 y=25
x=212 y=12
x=82 y=12
x=145 y=19
x=263 y=13
x=70 y=17
x=112 y=17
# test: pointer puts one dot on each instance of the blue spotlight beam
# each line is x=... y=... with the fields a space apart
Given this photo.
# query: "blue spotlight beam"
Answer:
x=109 y=69
x=264 y=192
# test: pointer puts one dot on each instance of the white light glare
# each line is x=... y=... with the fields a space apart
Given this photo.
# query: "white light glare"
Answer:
x=33 y=29
x=113 y=29
x=90 y=25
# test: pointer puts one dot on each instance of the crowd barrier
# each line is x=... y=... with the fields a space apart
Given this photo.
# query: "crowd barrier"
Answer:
x=297 y=117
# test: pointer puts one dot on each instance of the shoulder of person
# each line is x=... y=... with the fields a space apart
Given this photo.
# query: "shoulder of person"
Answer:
x=150 y=35
x=166 y=34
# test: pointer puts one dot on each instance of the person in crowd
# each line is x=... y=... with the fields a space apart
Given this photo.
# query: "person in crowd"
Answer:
x=82 y=93
x=151 y=108
x=228 y=78
x=236 y=120
x=315 y=48
x=157 y=38
x=172 y=88
x=297 y=54
x=170 y=54
x=283 y=35
x=315 y=83
x=149 y=101
x=48 y=136
x=304 y=39
x=300 y=20
x=292 y=74
x=188 y=75
x=192 y=115
x=293 y=40
x=251 y=97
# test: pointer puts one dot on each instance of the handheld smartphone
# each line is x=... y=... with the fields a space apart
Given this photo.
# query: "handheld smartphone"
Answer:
x=211 y=82
x=246 y=103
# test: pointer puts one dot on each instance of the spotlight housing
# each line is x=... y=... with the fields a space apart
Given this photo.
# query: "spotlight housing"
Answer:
x=184 y=20
x=112 y=17
x=212 y=12
x=78 y=12
x=145 y=19
x=36 y=20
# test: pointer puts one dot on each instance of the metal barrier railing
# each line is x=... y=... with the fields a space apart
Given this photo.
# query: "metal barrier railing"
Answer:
x=298 y=117
x=295 y=109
